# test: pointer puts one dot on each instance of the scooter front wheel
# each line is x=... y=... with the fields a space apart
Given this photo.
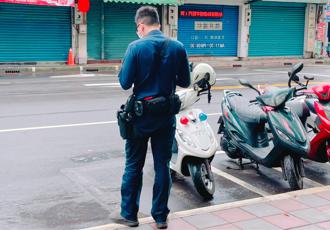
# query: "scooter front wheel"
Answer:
x=202 y=177
x=292 y=169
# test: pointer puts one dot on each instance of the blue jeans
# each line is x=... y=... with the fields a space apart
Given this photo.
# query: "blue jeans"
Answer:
x=136 y=149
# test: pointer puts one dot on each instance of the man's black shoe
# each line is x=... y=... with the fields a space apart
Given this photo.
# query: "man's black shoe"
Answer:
x=161 y=225
x=123 y=221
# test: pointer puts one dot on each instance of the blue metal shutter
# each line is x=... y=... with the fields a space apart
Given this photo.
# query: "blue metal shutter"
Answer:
x=34 y=33
x=94 y=33
x=218 y=42
x=277 y=29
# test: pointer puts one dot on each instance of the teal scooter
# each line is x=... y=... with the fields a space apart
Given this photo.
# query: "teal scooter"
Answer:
x=265 y=131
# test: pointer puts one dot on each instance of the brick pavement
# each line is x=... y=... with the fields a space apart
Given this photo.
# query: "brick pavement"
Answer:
x=307 y=209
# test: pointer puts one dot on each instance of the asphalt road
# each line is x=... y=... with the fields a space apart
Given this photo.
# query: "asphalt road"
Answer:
x=62 y=159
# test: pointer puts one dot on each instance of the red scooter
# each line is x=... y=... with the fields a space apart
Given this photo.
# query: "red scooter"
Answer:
x=313 y=108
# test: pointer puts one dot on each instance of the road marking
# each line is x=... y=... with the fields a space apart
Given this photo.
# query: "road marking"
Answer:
x=260 y=85
x=213 y=114
x=240 y=74
x=73 y=76
x=103 y=84
x=314 y=183
x=302 y=73
x=219 y=152
x=224 y=79
x=56 y=126
x=68 y=125
x=270 y=71
x=240 y=182
x=5 y=83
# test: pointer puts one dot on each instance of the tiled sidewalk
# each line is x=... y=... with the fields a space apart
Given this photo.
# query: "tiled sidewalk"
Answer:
x=301 y=210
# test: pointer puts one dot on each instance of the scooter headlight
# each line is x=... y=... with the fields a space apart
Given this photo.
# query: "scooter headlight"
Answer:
x=186 y=139
x=283 y=135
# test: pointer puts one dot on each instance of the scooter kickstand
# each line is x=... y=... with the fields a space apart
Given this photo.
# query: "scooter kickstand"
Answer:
x=240 y=163
x=257 y=168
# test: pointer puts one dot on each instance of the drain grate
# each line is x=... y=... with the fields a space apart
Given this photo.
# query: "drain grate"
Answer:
x=12 y=71
x=92 y=70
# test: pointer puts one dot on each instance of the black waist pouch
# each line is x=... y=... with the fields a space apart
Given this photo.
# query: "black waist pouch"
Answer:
x=157 y=106
x=163 y=105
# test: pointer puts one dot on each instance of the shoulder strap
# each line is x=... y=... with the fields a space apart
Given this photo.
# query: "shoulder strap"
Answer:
x=159 y=55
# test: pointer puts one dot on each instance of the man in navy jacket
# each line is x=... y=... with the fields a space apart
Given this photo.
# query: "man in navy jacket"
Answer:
x=151 y=77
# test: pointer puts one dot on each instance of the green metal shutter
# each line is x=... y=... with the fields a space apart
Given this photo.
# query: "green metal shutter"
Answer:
x=94 y=32
x=119 y=28
x=277 y=29
x=34 y=33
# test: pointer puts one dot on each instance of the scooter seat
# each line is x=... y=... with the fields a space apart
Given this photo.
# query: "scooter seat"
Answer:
x=248 y=112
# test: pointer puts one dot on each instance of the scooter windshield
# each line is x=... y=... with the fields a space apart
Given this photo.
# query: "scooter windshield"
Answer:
x=276 y=97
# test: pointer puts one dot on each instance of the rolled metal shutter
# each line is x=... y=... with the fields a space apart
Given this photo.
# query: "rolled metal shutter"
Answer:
x=34 y=33
x=277 y=29
x=119 y=28
x=210 y=42
x=94 y=32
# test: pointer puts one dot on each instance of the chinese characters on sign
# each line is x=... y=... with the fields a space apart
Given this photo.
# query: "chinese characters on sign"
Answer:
x=320 y=31
x=203 y=25
x=43 y=2
x=200 y=14
x=207 y=45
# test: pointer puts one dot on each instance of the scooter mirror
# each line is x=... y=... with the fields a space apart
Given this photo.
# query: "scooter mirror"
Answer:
x=296 y=69
x=246 y=83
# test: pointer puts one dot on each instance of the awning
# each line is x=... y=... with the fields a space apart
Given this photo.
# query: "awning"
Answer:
x=42 y=2
x=152 y=2
x=296 y=1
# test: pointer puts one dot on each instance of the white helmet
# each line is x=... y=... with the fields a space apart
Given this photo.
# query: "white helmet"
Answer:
x=201 y=72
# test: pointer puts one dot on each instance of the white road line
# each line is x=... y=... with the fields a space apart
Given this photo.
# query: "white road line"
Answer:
x=73 y=76
x=315 y=75
x=270 y=71
x=314 y=183
x=239 y=74
x=67 y=125
x=56 y=126
x=103 y=84
x=5 y=83
x=303 y=73
x=240 y=182
x=219 y=152
x=213 y=114
x=224 y=79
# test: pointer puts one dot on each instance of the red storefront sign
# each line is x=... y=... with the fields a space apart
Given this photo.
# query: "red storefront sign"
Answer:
x=200 y=14
x=42 y=2
x=320 y=31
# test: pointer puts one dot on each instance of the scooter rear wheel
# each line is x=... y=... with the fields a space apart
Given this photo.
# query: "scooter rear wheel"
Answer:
x=292 y=168
x=202 y=177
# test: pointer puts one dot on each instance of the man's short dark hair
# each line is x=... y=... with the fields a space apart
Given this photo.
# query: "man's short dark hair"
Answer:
x=147 y=15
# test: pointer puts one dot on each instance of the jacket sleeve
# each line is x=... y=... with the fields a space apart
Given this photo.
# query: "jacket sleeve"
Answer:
x=128 y=69
x=183 y=77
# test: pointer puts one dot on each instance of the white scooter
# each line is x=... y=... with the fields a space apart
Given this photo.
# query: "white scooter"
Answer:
x=195 y=144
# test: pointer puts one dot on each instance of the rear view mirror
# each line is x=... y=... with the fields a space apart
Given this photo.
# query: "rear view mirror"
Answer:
x=296 y=69
x=246 y=83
